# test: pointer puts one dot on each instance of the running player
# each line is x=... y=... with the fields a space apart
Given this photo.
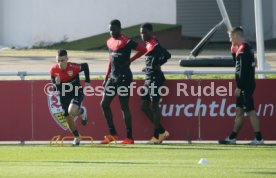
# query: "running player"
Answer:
x=65 y=75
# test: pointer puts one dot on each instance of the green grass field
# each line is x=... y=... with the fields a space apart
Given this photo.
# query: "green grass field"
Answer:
x=139 y=160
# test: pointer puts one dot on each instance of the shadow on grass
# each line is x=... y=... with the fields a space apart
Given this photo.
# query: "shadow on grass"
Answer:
x=263 y=173
x=84 y=162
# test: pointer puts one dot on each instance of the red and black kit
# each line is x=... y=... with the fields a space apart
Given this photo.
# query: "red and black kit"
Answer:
x=156 y=56
x=119 y=74
x=70 y=76
x=245 y=75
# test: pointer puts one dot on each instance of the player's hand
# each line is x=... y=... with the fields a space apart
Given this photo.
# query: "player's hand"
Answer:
x=144 y=69
x=57 y=79
x=238 y=92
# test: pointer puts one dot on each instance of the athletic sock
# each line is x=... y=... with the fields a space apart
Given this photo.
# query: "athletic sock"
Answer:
x=112 y=131
x=233 y=135
x=156 y=133
x=129 y=133
x=258 y=136
x=161 y=129
x=76 y=133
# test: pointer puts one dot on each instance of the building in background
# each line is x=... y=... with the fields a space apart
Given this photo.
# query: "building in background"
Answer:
x=25 y=23
x=37 y=22
x=197 y=17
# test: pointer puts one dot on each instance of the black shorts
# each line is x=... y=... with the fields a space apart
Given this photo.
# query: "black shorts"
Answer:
x=150 y=90
x=71 y=99
x=245 y=101
x=120 y=87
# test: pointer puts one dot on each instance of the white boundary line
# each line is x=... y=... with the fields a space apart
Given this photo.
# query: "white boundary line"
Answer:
x=138 y=142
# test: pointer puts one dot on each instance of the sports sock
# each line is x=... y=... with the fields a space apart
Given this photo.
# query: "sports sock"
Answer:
x=233 y=135
x=112 y=131
x=156 y=133
x=258 y=136
x=129 y=133
x=76 y=133
x=161 y=129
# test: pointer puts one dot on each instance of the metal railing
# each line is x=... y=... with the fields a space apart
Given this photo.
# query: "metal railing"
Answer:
x=187 y=73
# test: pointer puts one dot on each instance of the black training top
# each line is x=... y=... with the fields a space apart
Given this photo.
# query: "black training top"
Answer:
x=70 y=75
x=245 y=67
x=156 y=56
x=120 y=50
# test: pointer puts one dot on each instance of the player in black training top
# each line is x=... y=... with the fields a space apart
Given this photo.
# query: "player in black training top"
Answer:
x=119 y=75
x=156 y=56
x=66 y=73
x=243 y=55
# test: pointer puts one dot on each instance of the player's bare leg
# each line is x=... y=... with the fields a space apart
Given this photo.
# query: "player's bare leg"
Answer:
x=231 y=139
x=238 y=120
x=256 y=127
x=71 y=123
x=74 y=110
x=254 y=121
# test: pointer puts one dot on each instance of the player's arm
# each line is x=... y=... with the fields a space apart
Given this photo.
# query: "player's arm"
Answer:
x=164 y=55
x=141 y=50
x=85 y=69
x=107 y=72
x=233 y=52
x=245 y=65
x=56 y=81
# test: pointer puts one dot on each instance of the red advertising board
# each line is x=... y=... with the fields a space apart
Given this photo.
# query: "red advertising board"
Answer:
x=191 y=110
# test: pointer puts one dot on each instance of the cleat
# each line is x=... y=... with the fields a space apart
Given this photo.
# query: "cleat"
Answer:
x=163 y=136
x=227 y=140
x=84 y=120
x=257 y=142
x=127 y=141
x=109 y=138
x=76 y=141
x=153 y=141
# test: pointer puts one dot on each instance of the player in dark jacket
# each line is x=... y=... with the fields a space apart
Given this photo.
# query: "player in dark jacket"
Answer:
x=156 y=56
x=65 y=75
x=243 y=56
x=119 y=75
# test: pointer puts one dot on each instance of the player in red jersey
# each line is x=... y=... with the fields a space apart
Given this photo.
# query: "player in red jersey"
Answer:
x=65 y=77
x=156 y=56
x=119 y=75
x=243 y=56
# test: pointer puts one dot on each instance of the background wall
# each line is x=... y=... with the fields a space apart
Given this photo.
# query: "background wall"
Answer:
x=180 y=113
x=269 y=19
x=29 y=22
x=197 y=17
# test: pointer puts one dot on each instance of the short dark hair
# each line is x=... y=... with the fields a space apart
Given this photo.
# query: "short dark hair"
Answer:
x=147 y=26
x=62 y=52
x=116 y=22
x=238 y=30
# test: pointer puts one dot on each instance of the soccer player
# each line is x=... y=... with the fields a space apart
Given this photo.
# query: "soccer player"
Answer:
x=156 y=56
x=119 y=75
x=65 y=75
x=243 y=55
